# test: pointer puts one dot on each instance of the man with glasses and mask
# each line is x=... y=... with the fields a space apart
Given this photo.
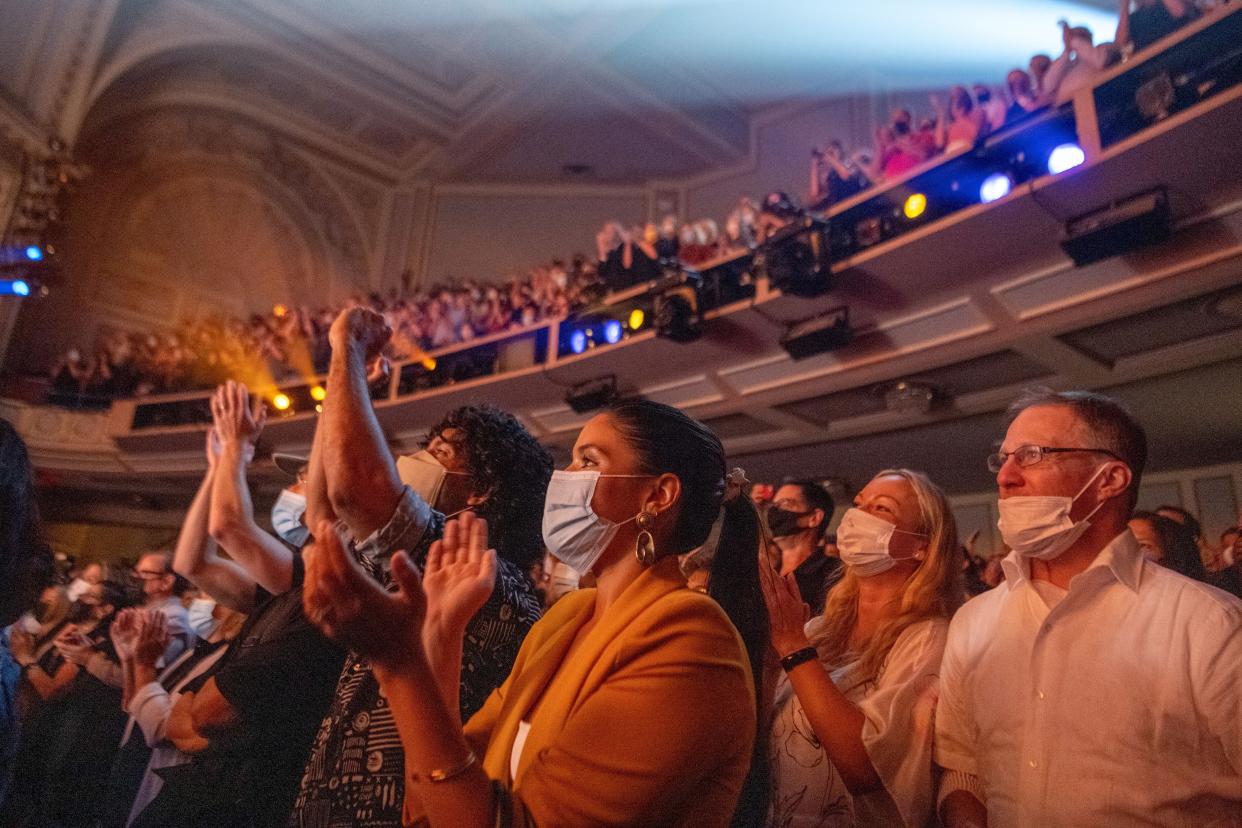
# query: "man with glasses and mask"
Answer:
x=1091 y=687
x=477 y=459
x=798 y=519
x=154 y=573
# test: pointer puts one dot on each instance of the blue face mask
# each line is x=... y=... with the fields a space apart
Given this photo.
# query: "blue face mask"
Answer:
x=287 y=518
x=572 y=531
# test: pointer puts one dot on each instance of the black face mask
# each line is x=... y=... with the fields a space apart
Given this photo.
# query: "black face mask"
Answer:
x=783 y=523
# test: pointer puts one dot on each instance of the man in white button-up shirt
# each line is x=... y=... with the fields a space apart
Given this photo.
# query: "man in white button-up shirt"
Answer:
x=1092 y=687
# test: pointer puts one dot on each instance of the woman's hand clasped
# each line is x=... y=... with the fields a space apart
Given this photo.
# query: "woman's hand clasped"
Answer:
x=787 y=612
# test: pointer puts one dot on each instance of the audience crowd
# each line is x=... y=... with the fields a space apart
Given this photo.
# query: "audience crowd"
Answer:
x=464 y=636
x=467 y=637
x=290 y=343
x=966 y=115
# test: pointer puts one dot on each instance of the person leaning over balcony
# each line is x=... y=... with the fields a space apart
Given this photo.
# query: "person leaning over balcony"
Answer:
x=479 y=460
x=1092 y=687
x=1151 y=20
x=630 y=704
x=852 y=724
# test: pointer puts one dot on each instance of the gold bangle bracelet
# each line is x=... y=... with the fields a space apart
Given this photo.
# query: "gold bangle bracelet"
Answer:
x=445 y=774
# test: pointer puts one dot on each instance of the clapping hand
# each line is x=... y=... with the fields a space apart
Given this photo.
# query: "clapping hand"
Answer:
x=21 y=645
x=152 y=637
x=124 y=632
x=74 y=647
x=350 y=607
x=787 y=613
x=238 y=419
x=458 y=579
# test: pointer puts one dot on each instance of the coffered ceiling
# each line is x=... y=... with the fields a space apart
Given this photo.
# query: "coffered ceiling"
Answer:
x=507 y=90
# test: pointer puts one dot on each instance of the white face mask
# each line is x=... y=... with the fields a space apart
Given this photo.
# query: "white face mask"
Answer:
x=424 y=474
x=200 y=616
x=287 y=518
x=1040 y=526
x=863 y=538
x=571 y=529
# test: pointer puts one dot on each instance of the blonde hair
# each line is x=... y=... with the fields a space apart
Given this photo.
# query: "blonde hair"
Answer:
x=933 y=591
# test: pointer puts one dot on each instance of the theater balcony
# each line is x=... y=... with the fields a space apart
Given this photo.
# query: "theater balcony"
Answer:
x=952 y=310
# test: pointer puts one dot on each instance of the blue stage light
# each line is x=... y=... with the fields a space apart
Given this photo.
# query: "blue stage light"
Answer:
x=34 y=253
x=14 y=287
x=577 y=342
x=612 y=331
x=1065 y=157
x=995 y=186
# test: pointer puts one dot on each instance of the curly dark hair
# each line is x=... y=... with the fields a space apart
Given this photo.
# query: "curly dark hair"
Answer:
x=503 y=457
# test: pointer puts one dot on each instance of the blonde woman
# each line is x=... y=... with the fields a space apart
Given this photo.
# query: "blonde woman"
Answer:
x=853 y=711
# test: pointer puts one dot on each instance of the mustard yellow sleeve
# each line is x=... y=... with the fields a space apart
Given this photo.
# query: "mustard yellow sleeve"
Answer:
x=670 y=728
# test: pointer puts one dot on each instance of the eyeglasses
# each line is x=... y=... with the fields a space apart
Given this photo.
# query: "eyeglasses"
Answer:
x=148 y=575
x=1030 y=455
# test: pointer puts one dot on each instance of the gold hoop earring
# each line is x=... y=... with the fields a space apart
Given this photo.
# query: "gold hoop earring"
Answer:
x=644 y=546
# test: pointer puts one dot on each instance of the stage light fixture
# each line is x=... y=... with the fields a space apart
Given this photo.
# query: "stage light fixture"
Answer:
x=34 y=253
x=676 y=315
x=910 y=397
x=592 y=394
x=1126 y=224
x=577 y=342
x=637 y=318
x=281 y=402
x=915 y=206
x=1065 y=157
x=318 y=393
x=429 y=363
x=15 y=287
x=995 y=187
x=279 y=311
x=795 y=258
x=827 y=331
x=612 y=331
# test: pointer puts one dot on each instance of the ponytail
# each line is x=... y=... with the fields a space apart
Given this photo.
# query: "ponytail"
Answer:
x=734 y=583
x=712 y=503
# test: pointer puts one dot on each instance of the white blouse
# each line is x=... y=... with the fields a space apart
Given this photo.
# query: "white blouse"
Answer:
x=899 y=713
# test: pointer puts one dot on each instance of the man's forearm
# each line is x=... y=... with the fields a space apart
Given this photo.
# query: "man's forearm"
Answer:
x=192 y=540
x=264 y=558
x=143 y=673
x=230 y=496
x=362 y=481
x=318 y=506
x=127 y=682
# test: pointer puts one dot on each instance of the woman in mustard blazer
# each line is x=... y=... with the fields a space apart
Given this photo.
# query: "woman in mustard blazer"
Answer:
x=631 y=703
